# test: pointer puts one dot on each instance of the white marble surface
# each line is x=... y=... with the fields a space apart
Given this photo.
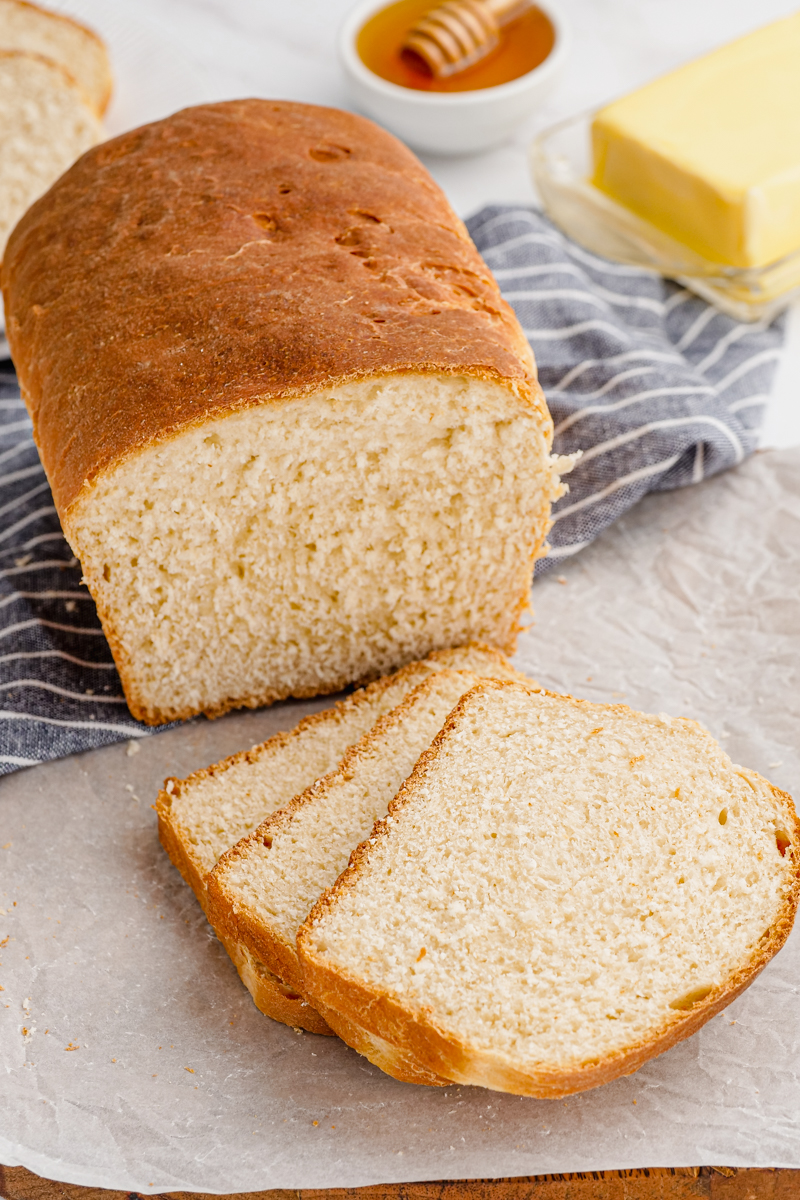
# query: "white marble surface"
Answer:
x=274 y=48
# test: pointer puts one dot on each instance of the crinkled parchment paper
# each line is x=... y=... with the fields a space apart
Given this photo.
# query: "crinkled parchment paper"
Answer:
x=145 y=1065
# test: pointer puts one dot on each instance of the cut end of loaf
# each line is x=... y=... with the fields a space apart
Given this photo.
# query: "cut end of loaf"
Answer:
x=319 y=540
x=561 y=891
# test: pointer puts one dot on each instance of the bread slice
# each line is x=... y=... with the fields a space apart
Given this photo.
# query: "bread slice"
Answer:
x=261 y=891
x=201 y=817
x=64 y=41
x=305 y=445
x=561 y=891
x=45 y=124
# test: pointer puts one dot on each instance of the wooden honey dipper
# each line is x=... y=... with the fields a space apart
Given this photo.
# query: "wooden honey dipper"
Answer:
x=454 y=35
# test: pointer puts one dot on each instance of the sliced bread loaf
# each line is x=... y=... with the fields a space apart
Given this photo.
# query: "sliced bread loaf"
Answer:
x=67 y=43
x=561 y=891
x=45 y=124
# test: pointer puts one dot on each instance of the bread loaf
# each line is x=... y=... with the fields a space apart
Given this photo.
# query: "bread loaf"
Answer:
x=293 y=432
x=561 y=891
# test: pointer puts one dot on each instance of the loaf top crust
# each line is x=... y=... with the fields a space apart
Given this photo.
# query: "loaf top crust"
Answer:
x=238 y=254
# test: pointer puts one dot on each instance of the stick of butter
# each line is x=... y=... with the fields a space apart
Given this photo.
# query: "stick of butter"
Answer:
x=711 y=152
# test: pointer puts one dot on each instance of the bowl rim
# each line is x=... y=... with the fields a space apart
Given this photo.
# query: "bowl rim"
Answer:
x=355 y=65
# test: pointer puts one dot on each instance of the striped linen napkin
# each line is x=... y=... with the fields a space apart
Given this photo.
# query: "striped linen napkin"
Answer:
x=59 y=688
x=656 y=388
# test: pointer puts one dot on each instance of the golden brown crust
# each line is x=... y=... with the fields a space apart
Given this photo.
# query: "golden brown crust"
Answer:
x=178 y=847
x=243 y=271
x=98 y=104
x=271 y=996
x=393 y=1060
x=438 y=1049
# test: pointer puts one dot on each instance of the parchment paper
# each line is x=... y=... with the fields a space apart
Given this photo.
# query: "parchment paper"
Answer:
x=146 y=1066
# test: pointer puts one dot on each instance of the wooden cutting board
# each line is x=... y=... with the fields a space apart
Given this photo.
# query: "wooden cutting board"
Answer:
x=657 y=1183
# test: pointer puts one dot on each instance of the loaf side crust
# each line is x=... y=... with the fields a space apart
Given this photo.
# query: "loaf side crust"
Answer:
x=386 y=1015
x=271 y=996
x=392 y=1059
x=274 y=999
x=242 y=273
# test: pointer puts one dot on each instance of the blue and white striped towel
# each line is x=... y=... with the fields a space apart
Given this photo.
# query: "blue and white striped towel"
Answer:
x=59 y=688
x=655 y=387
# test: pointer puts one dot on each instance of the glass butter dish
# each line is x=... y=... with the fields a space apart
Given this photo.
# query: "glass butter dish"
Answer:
x=561 y=163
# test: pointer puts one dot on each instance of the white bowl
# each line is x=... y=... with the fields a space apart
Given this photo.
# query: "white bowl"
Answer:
x=449 y=122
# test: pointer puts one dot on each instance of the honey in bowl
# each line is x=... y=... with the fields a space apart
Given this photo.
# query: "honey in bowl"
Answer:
x=525 y=42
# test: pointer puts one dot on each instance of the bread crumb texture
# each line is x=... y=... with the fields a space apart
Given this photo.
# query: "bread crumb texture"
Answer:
x=211 y=810
x=78 y=50
x=559 y=882
x=318 y=541
x=45 y=124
